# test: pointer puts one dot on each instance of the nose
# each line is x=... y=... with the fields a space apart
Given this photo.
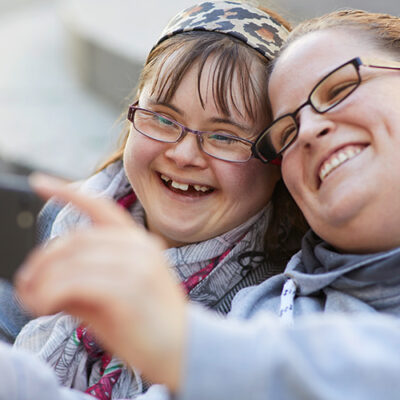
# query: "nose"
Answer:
x=187 y=152
x=312 y=126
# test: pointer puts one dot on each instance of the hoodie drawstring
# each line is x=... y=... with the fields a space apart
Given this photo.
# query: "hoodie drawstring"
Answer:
x=287 y=302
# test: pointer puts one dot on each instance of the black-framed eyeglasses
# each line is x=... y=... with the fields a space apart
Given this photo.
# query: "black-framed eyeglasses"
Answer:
x=330 y=91
x=220 y=145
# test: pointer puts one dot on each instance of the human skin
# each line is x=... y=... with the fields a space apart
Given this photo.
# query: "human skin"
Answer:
x=113 y=275
x=135 y=309
x=239 y=190
x=356 y=207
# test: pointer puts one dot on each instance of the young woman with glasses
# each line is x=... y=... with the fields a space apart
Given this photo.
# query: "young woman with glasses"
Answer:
x=326 y=328
x=186 y=172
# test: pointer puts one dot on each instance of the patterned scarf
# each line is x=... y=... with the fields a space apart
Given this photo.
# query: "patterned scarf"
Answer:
x=110 y=372
x=208 y=270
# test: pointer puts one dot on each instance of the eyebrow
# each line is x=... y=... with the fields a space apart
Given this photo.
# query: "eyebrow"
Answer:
x=229 y=121
x=168 y=105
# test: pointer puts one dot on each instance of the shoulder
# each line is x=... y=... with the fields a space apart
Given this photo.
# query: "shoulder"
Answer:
x=46 y=219
x=262 y=297
x=12 y=315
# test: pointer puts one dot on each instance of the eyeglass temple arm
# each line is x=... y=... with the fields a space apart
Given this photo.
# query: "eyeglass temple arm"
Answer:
x=379 y=63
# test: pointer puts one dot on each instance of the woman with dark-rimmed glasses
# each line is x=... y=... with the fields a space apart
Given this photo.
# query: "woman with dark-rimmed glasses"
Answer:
x=328 y=327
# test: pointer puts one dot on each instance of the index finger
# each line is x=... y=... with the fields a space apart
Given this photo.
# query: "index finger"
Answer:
x=100 y=210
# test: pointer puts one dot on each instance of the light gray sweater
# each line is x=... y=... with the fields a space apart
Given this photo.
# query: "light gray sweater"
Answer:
x=339 y=338
x=330 y=357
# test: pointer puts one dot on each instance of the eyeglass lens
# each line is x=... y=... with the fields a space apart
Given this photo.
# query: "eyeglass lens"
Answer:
x=335 y=88
x=156 y=126
x=328 y=93
x=219 y=145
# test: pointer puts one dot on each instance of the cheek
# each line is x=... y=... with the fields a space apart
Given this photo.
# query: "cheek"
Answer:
x=253 y=182
x=290 y=171
x=138 y=155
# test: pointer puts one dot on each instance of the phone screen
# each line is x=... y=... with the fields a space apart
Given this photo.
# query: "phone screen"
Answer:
x=19 y=207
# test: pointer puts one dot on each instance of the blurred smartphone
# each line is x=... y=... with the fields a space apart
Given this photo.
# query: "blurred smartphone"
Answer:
x=19 y=207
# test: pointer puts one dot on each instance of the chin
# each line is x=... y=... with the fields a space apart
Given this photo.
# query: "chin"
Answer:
x=344 y=211
x=181 y=237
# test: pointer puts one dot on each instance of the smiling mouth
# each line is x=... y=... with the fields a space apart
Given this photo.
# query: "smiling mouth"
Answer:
x=193 y=190
x=338 y=158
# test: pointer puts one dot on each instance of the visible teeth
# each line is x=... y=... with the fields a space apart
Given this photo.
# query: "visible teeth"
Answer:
x=351 y=153
x=337 y=160
x=200 y=188
x=325 y=170
x=181 y=186
x=184 y=186
x=165 y=178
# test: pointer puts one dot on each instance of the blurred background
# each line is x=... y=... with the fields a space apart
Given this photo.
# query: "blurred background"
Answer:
x=68 y=67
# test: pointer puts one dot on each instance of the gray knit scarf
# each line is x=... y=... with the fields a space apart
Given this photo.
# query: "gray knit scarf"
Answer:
x=321 y=279
x=52 y=338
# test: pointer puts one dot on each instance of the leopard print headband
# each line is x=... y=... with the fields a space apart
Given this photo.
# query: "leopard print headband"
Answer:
x=242 y=21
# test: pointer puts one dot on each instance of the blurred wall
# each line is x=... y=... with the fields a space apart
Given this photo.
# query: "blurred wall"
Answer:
x=8 y=5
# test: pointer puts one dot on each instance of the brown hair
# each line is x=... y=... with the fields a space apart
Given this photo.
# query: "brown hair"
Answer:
x=278 y=18
x=383 y=29
x=232 y=59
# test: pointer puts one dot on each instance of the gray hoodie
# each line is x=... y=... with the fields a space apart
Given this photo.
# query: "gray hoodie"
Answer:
x=314 y=350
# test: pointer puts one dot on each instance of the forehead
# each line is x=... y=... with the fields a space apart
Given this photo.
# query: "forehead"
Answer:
x=307 y=60
x=203 y=81
x=230 y=89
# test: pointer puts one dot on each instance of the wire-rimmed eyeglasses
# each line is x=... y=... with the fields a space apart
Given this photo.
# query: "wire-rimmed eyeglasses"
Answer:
x=220 y=145
x=330 y=91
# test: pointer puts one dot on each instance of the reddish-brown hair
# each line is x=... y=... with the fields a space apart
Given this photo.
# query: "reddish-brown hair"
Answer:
x=383 y=30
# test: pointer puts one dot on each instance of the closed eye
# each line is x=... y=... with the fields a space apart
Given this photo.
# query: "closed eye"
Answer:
x=340 y=91
x=287 y=135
